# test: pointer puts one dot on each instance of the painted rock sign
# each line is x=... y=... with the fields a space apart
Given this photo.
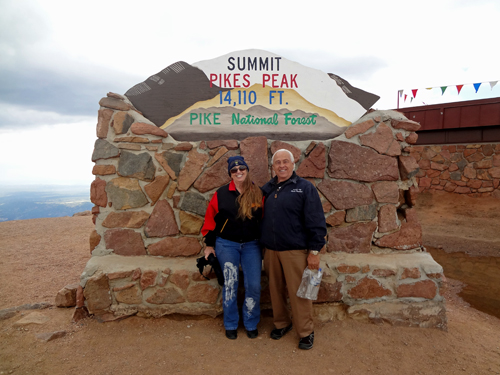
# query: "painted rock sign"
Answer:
x=248 y=93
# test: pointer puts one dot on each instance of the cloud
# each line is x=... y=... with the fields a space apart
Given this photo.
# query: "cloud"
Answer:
x=75 y=91
x=37 y=76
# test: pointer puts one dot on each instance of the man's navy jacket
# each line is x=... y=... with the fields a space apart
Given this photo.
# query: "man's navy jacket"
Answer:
x=293 y=216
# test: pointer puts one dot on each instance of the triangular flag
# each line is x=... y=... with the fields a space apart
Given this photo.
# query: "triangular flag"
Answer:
x=411 y=99
x=400 y=93
x=429 y=88
x=443 y=89
x=406 y=97
x=476 y=86
x=492 y=84
x=459 y=88
x=414 y=93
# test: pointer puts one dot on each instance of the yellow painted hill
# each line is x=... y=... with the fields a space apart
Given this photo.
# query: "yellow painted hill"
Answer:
x=290 y=98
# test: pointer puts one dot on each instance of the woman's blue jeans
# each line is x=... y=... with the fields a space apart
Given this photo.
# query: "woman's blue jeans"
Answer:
x=230 y=255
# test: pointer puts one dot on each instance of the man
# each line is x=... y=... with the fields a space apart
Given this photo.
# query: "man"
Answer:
x=293 y=233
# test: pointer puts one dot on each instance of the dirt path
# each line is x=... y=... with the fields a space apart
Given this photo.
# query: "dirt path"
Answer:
x=36 y=268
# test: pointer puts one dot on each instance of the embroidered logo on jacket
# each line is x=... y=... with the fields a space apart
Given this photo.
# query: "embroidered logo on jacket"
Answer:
x=296 y=191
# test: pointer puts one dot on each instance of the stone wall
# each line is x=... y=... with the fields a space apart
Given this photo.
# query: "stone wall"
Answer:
x=472 y=169
x=151 y=193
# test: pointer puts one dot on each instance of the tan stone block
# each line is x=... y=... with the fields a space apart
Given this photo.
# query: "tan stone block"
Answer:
x=190 y=224
x=254 y=150
x=97 y=293
x=171 y=190
x=148 y=279
x=345 y=268
x=184 y=146
x=103 y=122
x=180 y=279
x=166 y=296
x=130 y=147
x=124 y=242
x=131 y=295
x=482 y=174
x=98 y=194
x=173 y=247
x=128 y=219
x=422 y=289
x=335 y=219
x=410 y=273
x=141 y=128
x=220 y=152
x=438 y=166
x=204 y=293
x=412 y=138
x=131 y=139
x=359 y=128
x=162 y=221
x=103 y=170
x=494 y=172
x=94 y=240
x=383 y=272
x=121 y=122
x=368 y=288
x=155 y=189
x=192 y=169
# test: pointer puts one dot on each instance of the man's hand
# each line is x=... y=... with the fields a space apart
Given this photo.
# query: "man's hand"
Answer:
x=209 y=250
x=313 y=261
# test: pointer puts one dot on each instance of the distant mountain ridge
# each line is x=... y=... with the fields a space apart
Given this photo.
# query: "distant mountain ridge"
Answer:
x=171 y=91
x=33 y=204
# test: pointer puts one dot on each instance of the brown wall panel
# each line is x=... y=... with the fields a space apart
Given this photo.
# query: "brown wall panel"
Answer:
x=469 y=116
x=490 y=114
x=491 y=134
x=472 y=113
x=485 y=134
x=433 y=119
x=451 y=118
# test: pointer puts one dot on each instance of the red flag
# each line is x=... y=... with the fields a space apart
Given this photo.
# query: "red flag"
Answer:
x=406 y=97
x=459 y=88
x=414 y=93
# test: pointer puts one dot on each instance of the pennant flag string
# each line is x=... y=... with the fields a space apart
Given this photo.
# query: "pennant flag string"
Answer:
x=459 y=88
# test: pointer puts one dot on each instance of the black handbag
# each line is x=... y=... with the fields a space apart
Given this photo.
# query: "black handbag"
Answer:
x=201 y=263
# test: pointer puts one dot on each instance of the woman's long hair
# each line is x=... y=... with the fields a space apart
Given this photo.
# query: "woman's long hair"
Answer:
x=250 y=199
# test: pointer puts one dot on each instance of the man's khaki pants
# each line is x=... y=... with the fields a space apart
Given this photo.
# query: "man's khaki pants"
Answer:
x=285 y=269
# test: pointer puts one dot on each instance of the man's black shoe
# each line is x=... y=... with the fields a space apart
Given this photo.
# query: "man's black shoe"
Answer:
x=278 y=333
x=253 y=334
x=231 y=334
x=307 y=342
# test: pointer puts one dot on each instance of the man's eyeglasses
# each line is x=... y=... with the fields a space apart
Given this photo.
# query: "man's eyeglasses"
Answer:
x=234 y=170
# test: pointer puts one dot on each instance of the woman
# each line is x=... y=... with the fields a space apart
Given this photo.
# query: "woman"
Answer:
x=231 y=227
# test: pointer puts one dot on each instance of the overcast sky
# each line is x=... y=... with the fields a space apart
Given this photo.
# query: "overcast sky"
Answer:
x=58 y=58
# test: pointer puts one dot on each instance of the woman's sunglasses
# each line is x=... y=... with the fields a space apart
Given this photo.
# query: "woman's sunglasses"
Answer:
x=234 y=170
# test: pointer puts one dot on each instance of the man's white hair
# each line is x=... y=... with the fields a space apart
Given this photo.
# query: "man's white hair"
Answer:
x=284 y=149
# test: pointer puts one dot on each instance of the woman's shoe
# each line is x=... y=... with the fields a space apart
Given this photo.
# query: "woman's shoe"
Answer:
x=253 y=334
x=231 y=334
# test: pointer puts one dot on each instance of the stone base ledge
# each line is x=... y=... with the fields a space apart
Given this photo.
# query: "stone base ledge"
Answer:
x=400 y=288
x=393 y=261
x=113 y=263
x=428 y=314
